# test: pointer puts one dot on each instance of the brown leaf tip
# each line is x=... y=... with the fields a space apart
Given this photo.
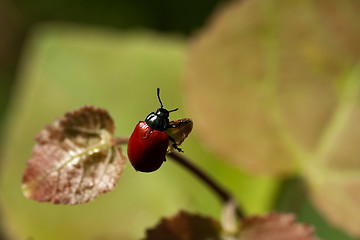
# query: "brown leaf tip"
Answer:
x=275 y=226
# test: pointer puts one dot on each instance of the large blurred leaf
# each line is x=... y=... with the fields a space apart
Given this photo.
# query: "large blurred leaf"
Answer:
x=274 y=88
x=67 y=66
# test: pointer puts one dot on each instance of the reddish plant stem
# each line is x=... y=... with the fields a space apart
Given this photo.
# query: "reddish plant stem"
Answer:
x=121 y=140
x=224 y=195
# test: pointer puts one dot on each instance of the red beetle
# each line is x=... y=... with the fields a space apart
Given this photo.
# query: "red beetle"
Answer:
x=155 y=136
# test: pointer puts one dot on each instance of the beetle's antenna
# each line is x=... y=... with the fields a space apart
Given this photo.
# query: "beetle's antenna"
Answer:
x=173 y=110
x=158 y=95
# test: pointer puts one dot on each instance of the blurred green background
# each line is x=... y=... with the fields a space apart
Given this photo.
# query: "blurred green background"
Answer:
x=58 y=55
x=19 y=17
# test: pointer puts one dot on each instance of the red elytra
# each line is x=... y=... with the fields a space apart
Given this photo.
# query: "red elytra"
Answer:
x=149 y=142
x=147 y=148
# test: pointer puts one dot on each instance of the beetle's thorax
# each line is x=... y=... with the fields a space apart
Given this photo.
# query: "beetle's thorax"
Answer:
x=159 y=120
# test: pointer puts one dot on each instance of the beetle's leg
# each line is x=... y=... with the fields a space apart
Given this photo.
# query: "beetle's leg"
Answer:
x=175 y=145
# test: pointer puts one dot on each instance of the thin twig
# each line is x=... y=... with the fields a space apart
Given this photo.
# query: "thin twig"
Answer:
x=224 y=195
x=121 y=140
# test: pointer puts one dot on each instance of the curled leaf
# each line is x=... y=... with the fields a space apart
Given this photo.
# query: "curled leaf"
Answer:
x=178 y=131
x=75 y=159
x=275 y=226
x=185 y=226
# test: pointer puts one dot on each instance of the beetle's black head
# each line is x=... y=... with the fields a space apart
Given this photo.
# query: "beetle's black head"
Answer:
x=162 y=113
x=160 y=119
